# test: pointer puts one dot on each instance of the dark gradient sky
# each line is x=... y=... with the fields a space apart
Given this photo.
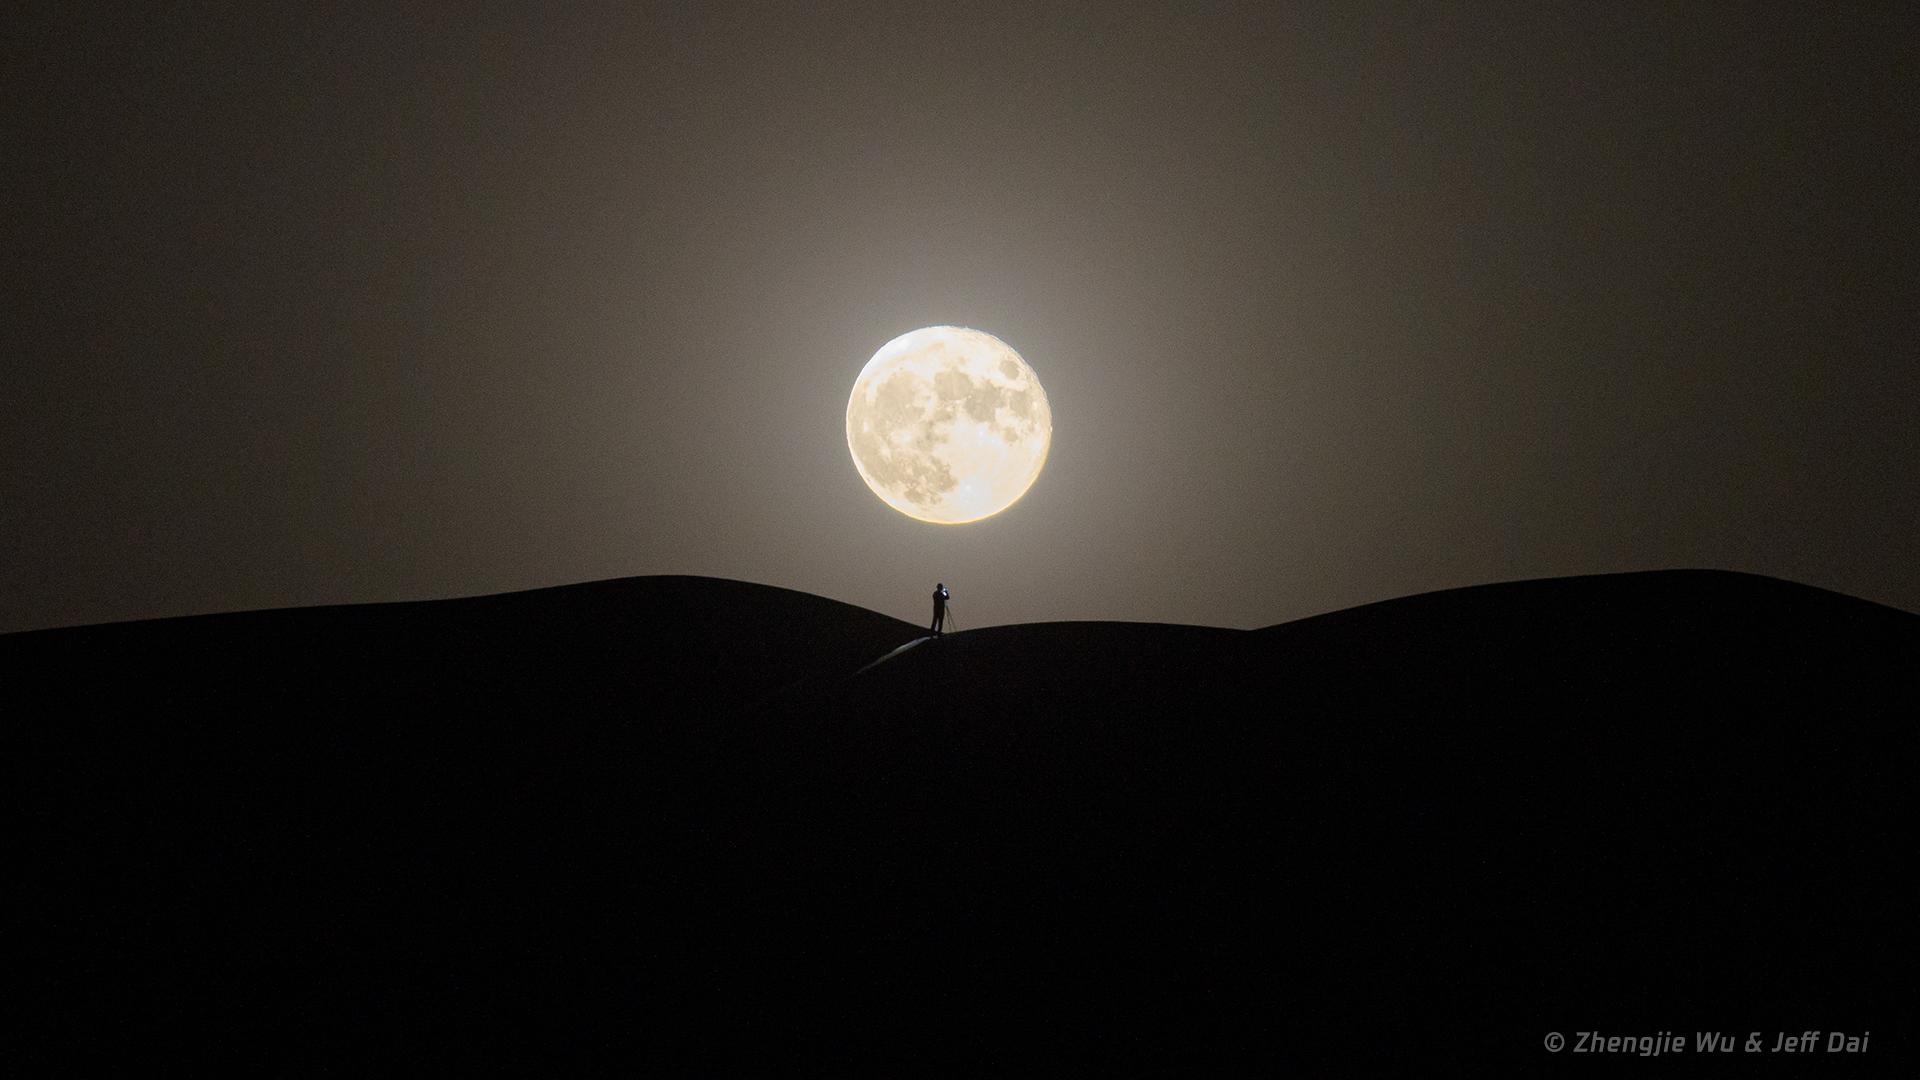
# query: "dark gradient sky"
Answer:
x=1333 y=304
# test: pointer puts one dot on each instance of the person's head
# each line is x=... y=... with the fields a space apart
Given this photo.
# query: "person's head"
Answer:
x=939 y=584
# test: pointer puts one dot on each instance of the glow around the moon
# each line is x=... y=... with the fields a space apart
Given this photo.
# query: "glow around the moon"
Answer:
x=948 y=425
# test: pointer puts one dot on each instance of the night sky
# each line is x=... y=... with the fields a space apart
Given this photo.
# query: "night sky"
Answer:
x=1332 y=304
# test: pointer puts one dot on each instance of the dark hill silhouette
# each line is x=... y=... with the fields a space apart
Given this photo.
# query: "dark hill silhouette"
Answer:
x=683 y=819
x=596 y=647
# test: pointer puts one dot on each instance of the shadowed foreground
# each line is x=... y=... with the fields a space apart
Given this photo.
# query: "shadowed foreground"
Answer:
x=623 y=820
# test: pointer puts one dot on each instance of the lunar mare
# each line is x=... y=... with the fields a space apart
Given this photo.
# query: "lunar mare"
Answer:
x=948 y=425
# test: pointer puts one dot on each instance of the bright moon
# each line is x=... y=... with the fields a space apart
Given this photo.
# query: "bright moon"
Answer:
x=948 y=425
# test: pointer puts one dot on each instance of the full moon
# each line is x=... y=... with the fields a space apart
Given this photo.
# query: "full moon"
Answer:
x=948 y=425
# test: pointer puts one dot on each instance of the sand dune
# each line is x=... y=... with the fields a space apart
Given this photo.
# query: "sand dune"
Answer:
x=684 y=819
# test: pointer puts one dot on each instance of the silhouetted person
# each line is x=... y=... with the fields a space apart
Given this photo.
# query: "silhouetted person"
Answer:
x=940 y=597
